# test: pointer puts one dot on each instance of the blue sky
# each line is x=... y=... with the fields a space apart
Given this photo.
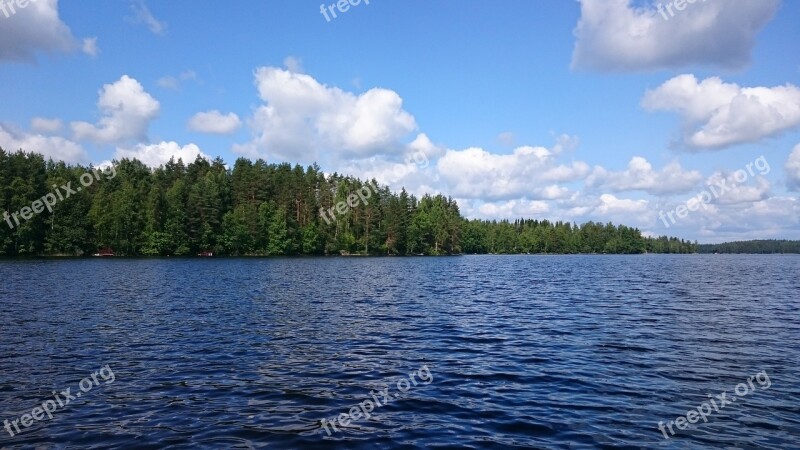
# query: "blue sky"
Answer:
x=565 y=110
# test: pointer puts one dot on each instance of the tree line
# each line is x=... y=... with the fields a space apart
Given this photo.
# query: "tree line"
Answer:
x=256 y=208
x=543 y=236
x=757 y=246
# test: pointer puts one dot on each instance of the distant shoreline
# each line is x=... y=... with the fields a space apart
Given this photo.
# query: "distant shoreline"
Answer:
x=256 y=257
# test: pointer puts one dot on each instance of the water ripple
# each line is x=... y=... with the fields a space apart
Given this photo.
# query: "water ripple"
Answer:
x=526 y=352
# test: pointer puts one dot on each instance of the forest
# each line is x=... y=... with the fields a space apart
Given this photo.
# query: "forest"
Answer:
x=757 y=247
x=261 y=209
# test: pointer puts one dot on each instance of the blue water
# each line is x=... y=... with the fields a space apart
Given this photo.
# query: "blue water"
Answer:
x=523 y=352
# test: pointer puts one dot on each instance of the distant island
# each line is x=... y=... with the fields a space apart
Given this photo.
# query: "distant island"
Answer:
x=752 y=247
x=259 y=209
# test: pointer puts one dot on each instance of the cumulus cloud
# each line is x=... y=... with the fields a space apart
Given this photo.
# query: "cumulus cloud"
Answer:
x=551 y=192
x=509 y=209
x=640 y=176
x=739 y=188
x=422 y=149
x=723 y=191
x=623 y=35
x=412 y=169
x=156 y=155
x=43 y=125
x=793 y=169
x=127 y=112
x=301 y=116
x=610 y=205
x=774 y=217
x=527 y=172
x=724 y=195
x=578 y=207
x=214 y=122
x=35 y=28
x=417 y=179
x=583 y=207
x=142 y=15
x=744 y=207
x=718 y=114
x=55 y=147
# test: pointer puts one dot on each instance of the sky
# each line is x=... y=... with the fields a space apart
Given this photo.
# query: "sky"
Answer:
x=678 y=118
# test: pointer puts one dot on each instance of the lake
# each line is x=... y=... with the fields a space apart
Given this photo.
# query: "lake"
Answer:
x=474 y=351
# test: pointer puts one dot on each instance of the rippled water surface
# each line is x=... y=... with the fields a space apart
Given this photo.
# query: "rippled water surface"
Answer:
x=525 y=352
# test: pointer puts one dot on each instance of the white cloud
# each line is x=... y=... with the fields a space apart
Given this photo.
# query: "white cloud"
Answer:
x=411 y=169
x=741 y=212
x=551 y=192
x=174 y=83
x=214 y=122
x=721 y=202
x=793 y=169
x=302 y=116
x=739 y=188
x=623 y=35
x=772 y=218
x=527 y=172
x=565 y=173
x=640 y=176
x=90 y=47
x=418 y=179
x=157 y=154
x=127 y=112
x=611 y=205
x=35 y=28
x=514 y=209
x=718 y=114
x=43 y=125
x=421 y=150
x=504 y=209
x=142 y=15
x=56 y=147
x=608 y=208
x=576 y=208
